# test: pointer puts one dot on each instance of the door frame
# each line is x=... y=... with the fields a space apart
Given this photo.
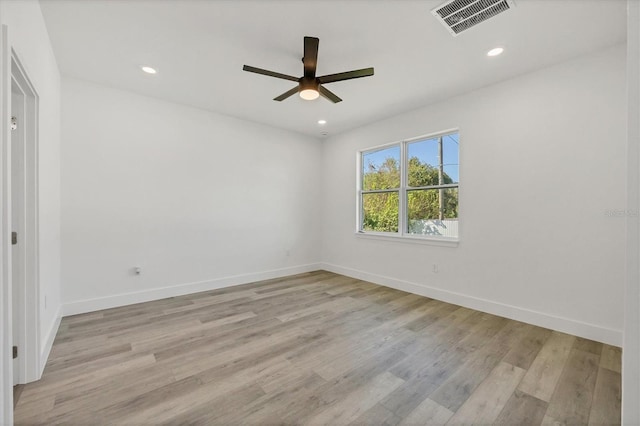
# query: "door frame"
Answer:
x=28 y=280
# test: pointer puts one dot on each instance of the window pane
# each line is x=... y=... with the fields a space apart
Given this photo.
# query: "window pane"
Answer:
x=450 y=173
x=380 y=212
x=381 y=169
x=424 y=161
x=450 y=157
x=423 y=211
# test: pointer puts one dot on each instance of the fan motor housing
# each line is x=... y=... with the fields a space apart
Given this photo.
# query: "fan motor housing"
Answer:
x=308 y=84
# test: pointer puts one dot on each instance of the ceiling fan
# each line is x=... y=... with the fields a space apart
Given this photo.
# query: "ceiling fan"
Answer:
x=309 y=86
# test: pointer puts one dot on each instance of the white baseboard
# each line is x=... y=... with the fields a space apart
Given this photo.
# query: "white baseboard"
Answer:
x=541 y=319
x=90 y=305
x=47 y=344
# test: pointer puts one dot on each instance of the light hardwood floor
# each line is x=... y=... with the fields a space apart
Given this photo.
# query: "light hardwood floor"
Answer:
x=318 y=348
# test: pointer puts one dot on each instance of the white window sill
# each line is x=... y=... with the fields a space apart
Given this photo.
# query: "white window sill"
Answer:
x=442 y=242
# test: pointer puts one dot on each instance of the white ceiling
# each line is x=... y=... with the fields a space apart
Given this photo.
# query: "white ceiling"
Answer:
x=199 y=47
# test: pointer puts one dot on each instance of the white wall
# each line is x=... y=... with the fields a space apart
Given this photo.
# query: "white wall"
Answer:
x=631 y=348
x=545 y=149
x=30 y=40
x=198 y=200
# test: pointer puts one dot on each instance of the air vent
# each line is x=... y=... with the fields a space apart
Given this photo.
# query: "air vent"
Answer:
x=460 y=15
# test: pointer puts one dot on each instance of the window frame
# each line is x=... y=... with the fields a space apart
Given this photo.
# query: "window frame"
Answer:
x=402 y=192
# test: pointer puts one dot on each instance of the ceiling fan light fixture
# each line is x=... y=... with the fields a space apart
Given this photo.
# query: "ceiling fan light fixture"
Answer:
x=309 y=94
x=310 y=86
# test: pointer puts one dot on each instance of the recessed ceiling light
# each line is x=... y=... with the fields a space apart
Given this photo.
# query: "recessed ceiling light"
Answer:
x=495 y=52
x=322 y=121
x=149 y=70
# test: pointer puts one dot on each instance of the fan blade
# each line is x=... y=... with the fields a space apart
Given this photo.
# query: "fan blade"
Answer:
x=365 y=72
x=286 y=94
x=329 y=95
x=310 y=59
x=269 y=73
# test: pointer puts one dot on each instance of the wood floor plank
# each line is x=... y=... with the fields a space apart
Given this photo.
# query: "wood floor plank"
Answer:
x=356 y=403
x=542 y=377
x=88 y=355
x=33 y=411
x=611 y=358
x=441 y=310
x=588 y=346
x=273 y=407
x=351 y=360
x=453 y=320
x=429 y=373
x=605 y=409
x=288 y=378
x=377 y=415
x=550 y=421
x=359 y=332
x=336 y=305
x=87 y=376
x=210 y=360
x=118 y=388
x=193 y=331
x=161 y=403
x=461 y=384
x=117 y=410
x=451 y=341
x=572 y=398
x=384 y=296
x=334 y=391
x=259 y=331
x=522 y=409
x=523 y=354
x=402 y=306
x=282 y=406
x=227 y=404
x=347 y=286
x=487 y=401
x=428 y=413
x=317 y=348
x=478 y=330
x=65 y=347
x=408 y=396
x=166 y=405
x=248 y=361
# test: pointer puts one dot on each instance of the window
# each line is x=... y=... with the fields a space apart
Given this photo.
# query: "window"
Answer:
x=411 y=188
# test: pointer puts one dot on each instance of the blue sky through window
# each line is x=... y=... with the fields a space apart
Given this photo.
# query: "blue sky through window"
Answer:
x=377 y=158
x=426 y=150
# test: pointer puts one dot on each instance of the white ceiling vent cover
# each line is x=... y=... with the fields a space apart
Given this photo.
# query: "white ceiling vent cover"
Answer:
x=460 y=15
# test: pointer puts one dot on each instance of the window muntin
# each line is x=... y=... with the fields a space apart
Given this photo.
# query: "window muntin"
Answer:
x=411 y=188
